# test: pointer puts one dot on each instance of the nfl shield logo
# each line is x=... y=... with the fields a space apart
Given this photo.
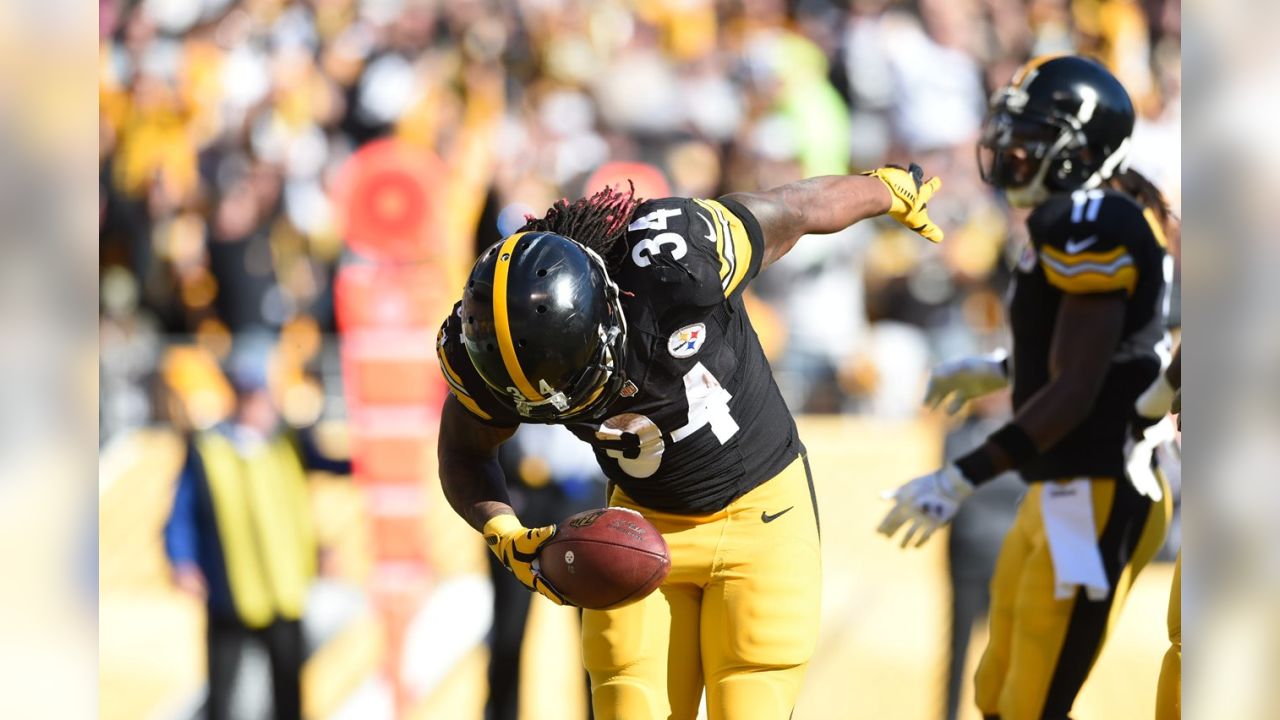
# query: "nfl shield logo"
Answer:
x=686 y=341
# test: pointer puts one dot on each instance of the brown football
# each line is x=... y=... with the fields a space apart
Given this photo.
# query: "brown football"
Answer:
x=603 y=559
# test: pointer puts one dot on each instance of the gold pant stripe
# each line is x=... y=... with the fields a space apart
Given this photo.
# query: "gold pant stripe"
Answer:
x=1041 y=649
x=1169 y=688
x=1091 y=621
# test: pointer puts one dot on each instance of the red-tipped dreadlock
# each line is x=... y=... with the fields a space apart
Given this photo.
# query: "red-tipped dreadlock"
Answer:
x=597 y=222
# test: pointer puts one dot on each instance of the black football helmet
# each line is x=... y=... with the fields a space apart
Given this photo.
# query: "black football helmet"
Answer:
x=542 y=323
x=1061 y=124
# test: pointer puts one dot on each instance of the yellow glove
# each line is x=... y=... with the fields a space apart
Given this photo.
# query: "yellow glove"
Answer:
x=910 y=197
x=517 y=549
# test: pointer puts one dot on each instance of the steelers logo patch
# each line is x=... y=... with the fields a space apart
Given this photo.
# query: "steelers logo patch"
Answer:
x=687 y=341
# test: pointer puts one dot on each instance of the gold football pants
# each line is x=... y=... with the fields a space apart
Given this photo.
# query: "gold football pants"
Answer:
x=1169 y=691
x=738 y=612
x=1041 y=649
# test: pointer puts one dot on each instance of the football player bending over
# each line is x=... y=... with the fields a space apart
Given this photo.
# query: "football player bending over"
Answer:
x=624 y=321
x=1088 y=317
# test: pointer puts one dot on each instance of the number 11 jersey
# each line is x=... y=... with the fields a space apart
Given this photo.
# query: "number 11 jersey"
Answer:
x=700 y=421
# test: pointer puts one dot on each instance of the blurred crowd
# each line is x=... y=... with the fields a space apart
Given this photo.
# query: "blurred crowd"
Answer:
x=223 y=124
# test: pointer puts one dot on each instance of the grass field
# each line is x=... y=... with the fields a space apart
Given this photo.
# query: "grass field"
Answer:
x=882 y=652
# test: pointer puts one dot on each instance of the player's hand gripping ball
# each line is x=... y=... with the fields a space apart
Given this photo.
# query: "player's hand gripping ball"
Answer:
x=603 y=559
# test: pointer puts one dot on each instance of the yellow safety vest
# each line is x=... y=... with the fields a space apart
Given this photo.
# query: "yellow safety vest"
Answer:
x=264 y=523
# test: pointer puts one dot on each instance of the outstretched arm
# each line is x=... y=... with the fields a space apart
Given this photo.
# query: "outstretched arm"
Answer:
x=831 y=203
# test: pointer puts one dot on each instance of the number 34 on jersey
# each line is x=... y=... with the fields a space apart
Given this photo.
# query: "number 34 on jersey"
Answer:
x=708 y=405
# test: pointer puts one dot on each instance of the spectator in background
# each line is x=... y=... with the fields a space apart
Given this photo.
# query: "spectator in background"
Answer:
x=240 y=536
x=223 y=124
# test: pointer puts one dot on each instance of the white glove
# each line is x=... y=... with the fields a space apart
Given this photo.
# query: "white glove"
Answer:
x=965 y=379
x=1155 y=402
x=1138 y=464
x=928 y=502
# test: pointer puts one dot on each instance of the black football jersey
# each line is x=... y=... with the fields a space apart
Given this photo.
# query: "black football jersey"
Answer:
x=1094 y=241
x=702 y=421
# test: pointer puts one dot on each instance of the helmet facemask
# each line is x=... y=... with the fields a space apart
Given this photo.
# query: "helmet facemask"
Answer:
x=590 y=391
x=1018 y=151
x=1031 y=155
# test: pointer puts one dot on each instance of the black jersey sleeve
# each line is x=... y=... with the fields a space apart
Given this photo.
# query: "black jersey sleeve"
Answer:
x=700 y=252
x=465 y=383
x=1094 y=241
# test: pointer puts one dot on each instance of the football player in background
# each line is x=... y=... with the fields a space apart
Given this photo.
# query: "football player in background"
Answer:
x=1087 y=314
x=624 y=321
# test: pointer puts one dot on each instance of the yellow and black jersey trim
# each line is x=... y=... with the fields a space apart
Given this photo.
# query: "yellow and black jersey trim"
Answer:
x=455 y=382
x=1094 y=272
x=733 y=245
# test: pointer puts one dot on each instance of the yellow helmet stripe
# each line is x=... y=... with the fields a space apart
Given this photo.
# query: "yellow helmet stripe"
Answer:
x=503 y=322
x=1028 y=71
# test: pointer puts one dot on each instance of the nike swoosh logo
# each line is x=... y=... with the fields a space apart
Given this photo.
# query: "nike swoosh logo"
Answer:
x=1074 y=246
x=711 y=231
x=766 y=517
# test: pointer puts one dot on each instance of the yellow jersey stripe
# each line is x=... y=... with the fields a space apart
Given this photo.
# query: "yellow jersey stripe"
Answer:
x=741 y=249
x=1125 y=278
x=506 y=345
x=459 y=390
x=1102 y=258
x=471 y=405
x=728 y=257
x=718 y=228
x=734 y=250
x=450 y=375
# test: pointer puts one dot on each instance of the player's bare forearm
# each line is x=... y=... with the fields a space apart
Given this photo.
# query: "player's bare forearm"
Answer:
x=825 y=204
x=1088 y=329
x=469 y=473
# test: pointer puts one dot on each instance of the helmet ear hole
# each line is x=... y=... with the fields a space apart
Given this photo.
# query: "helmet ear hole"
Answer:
x=542 y=272
x=542 y=309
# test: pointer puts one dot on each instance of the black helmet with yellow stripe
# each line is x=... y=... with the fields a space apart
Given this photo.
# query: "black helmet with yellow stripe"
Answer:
x=1062 y=123
x=543 y=325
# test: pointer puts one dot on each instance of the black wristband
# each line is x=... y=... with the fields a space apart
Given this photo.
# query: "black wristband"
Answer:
x=1016 y=443
x=977 y=467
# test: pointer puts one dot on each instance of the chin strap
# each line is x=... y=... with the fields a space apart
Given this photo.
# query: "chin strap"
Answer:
x=1117 y=161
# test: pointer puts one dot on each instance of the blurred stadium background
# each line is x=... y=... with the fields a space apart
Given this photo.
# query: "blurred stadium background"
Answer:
x=323 y=171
